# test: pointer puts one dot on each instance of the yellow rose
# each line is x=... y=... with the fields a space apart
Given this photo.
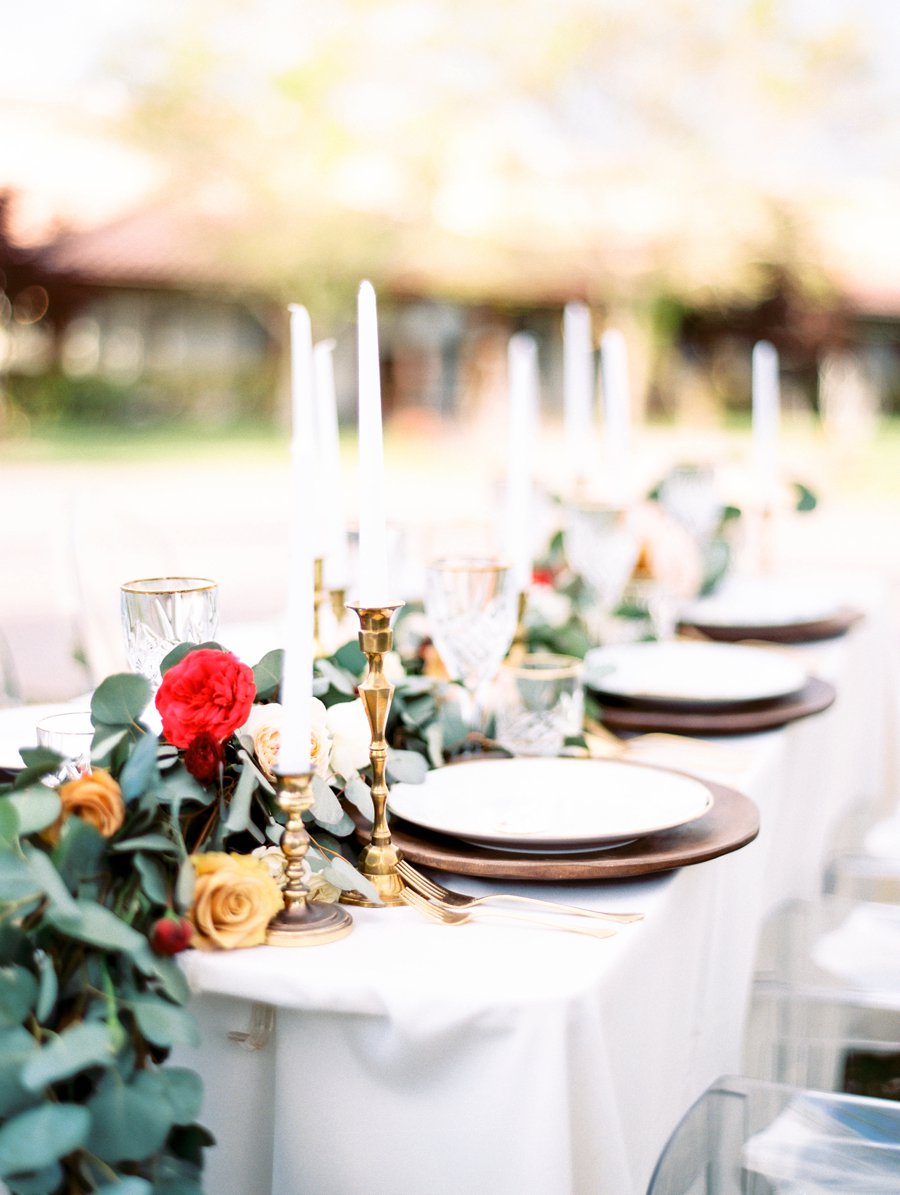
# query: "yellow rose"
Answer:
x=234 y=900
x=94 y=797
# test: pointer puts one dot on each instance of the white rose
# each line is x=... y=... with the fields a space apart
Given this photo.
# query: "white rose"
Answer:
x=351 y=737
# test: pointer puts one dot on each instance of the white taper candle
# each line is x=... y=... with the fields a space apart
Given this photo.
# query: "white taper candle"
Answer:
x=373 y=581
x=328 y=440
x=523 y=421
x=616 y=412
x=766 y=419
x=578 y=389
x=296 y=683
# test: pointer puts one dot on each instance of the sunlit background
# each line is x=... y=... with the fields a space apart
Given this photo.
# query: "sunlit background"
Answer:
x=172 y=174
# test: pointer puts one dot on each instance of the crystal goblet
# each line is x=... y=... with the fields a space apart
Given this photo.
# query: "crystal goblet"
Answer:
x=601 y=547
x=472 y=608
x=158 y=613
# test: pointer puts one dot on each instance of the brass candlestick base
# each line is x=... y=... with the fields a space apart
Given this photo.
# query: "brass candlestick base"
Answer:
x=378 y=861
x=301 y=923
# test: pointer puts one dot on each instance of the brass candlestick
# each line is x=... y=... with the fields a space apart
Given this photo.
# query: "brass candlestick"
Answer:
x=301 y=923
x=319 y=596
x=519 y=645
x=378 y=861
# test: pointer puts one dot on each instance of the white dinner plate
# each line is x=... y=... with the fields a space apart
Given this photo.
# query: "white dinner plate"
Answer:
x=682 y=672
x=550 y=805
x=763 y=602
x=18 y=728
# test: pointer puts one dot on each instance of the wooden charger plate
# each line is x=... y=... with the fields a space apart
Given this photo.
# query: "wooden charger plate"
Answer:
x=817 y=695
x=832 y=627
x=730 y=824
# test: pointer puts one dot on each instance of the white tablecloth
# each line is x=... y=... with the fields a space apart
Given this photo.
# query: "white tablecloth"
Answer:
x=412 y=1057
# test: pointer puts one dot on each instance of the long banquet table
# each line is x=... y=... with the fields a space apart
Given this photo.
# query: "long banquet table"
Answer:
x=414 y=1057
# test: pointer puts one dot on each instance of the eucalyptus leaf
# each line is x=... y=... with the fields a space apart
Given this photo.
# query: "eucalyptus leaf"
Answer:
x=15 y=945
x=185 y=885
x=74 y=1050
x=126 y=1186
x=419 y=710
x=40 y=1136
x=326 y=807
x=177 y=654
x=337 y=678
x=415 y=686
x=350 y=657
x=39 y=762
x=141 y=767
x=153 y=878
x=9 y=822
x=96 y=925
x=16 y=1047
x=163 y=1023
x=50 y=880
x=120 y=699
x=359 y=794
x=184 y=1091
x=105 y=741
x=238 y=817
x=36 y=807
x=165 y=971
x=434 y=741
x=406 y=767
x=262 y=779
x=146 y=842
x=16 y=879
x=18 y=994
x=177 y=786
x=267 y=674
x=345 y=876
x=45 y=1181
x=129 y=1121
x=79 y=852
x=48 y=986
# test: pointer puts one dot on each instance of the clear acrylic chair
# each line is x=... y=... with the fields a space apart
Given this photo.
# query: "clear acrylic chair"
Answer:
x=825 y=1009
x=747 y=1137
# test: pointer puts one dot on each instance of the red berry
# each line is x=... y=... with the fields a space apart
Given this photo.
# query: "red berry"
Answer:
x=171 y=935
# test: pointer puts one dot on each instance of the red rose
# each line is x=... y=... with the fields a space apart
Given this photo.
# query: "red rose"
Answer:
x=171 y=935
x=208 y=692
x=542 y=576
x=204 y=757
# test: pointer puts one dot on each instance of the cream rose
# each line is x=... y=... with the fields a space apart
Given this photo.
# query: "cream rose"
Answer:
x=94 y=797
x=263 y=727
x=234 y=900
x=351 y=737
x=669 y=554
x=321 y=891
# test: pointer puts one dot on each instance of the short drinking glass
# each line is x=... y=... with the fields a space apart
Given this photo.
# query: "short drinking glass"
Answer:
x=540 y=703
x=69 y=734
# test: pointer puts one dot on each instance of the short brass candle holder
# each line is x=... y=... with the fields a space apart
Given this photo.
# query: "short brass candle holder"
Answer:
x=378 y=861
x=301 y=922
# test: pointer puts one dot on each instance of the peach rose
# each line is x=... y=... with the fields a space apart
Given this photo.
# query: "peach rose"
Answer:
x=234 y=900
x=668 y=553
x=94 y=797
x=264 y=728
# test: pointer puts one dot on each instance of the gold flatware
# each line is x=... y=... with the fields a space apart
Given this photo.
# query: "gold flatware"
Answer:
x=458 y=902
x=448 y=916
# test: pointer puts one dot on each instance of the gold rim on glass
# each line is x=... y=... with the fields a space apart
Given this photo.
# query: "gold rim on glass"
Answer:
x=566 y=668
x=188 y=585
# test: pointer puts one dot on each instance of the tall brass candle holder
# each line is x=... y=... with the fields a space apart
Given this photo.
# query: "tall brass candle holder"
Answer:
x=378 y=861
x=519 y=646
x=300 y=922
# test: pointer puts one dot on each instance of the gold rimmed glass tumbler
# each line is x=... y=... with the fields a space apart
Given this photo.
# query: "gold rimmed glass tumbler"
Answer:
x=158 y=613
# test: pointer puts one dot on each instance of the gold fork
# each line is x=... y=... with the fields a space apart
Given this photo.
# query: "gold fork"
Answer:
x=448 y=916
x=457 y=901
